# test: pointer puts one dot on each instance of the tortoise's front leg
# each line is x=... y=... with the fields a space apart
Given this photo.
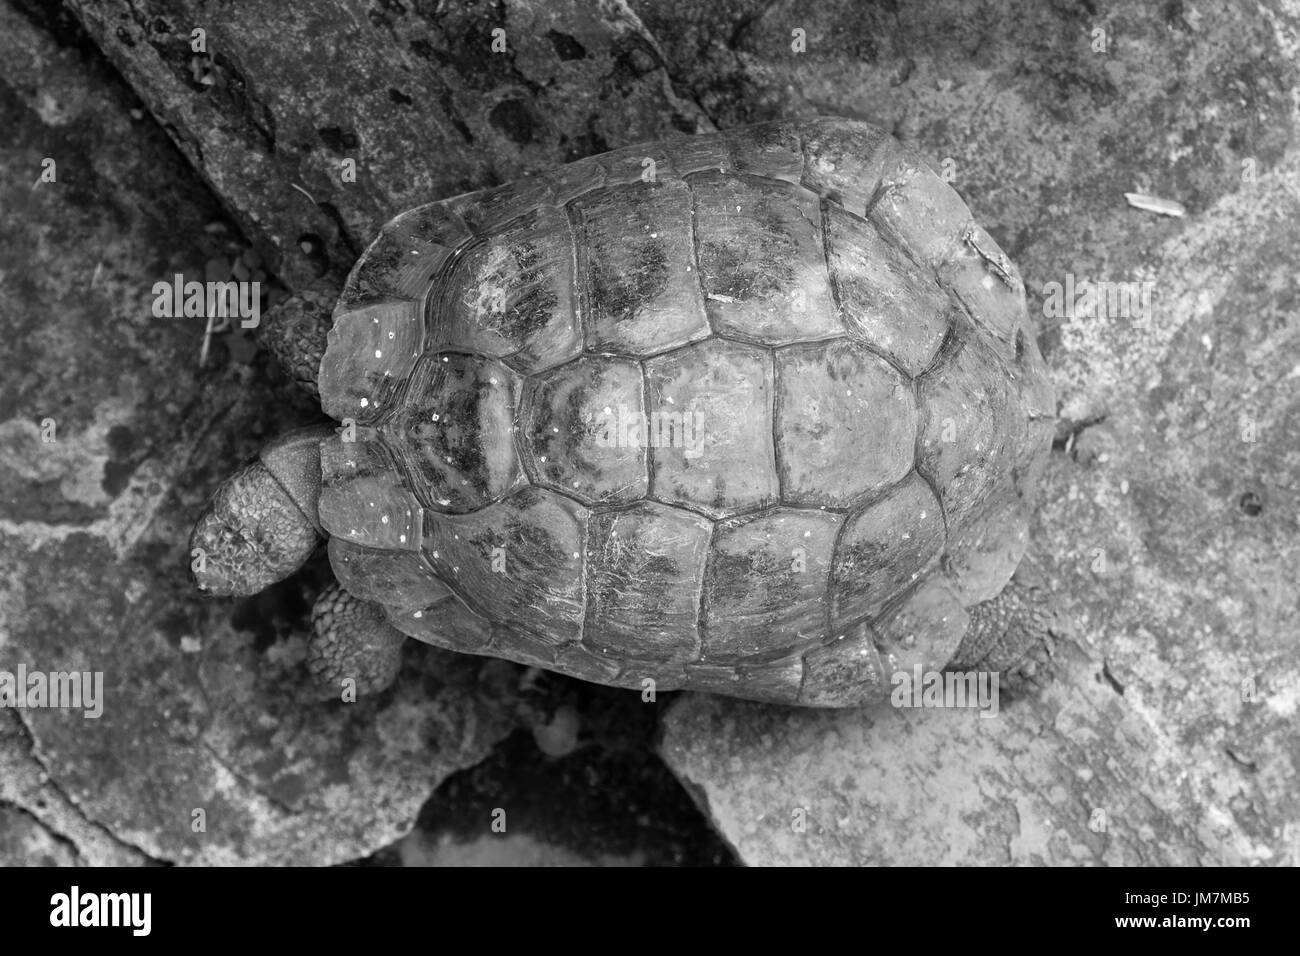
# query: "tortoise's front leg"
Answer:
x=351 y=640
x=296 y=333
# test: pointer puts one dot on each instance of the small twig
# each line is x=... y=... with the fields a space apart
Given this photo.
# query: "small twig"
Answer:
x=1163 y=207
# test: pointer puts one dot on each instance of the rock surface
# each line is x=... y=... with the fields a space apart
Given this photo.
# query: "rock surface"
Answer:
x=608 y=800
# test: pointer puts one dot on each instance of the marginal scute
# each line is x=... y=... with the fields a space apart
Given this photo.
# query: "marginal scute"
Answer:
x=986 y=282
x=640 y=293
x=363 y=499
x=775 y=681
x=647 y=163
x=693 y=154
x=886 y=300
x=402 y=580
x=846 y=423
x=489 y=210
x=447 y=623
x=645 y=673
x=1033 y=377
x=569 y=182
x=765 y=584
x=845 y=161
x=454 y=431
x=372 y=348
x=531 y=648
x=509 y=294
x=986 y=547
x=762 y=261
x=846 y=671
x=406 y=256
x=770 y=150
x=1031 y=459
x=520 y=560
x=969 y=416
x=647 y=565
x=919 y=210
x=883 y=549
x=583 y=431
x=924 y=629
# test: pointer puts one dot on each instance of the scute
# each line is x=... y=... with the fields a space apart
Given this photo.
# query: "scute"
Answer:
x=846 y=161
x=401 y=579
x=923 y=629
x=647 y=567
x=519 y=560
x=776 y=680
x=968 y=419
x=988 y=285
x=883 y=549
x=379 y=326
x=711 y=437
x=694 y=154
x=371 y=350
x=454 y=431
x=446 y=623
x=762 y=262
x=984 y=551
x=765 y=584
x=845 y=423
x=886 y=300
x=770 y=150
x=845 y=671
x=640 y=292
x=489 y=210
x=919 y=210
x=509 y=294
x=408 y=254
x=363 y=498
x=583 y=430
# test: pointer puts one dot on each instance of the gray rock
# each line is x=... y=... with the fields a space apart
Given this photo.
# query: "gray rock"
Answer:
x=25 y=842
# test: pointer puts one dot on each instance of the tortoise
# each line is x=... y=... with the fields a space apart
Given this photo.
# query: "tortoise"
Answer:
x=758 y=412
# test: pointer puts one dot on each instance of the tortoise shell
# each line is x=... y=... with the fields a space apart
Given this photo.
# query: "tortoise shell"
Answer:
x=756 y=412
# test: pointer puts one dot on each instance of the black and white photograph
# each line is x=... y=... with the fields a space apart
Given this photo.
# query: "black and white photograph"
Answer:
x=651 y=433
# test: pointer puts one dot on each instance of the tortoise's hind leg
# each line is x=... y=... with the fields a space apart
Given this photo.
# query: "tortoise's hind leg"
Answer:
x=1011 y=633
x=352 y=641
